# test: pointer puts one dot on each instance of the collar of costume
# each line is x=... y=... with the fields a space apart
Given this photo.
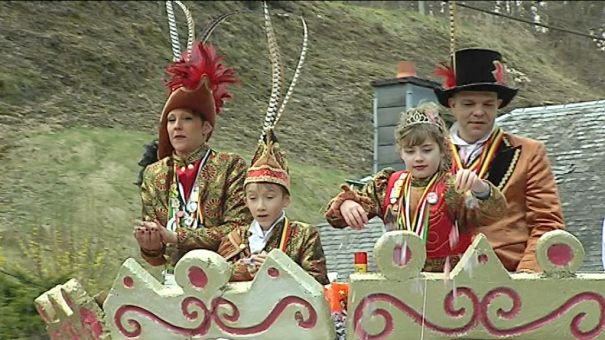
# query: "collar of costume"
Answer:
x=423 y=182
x=456 y=139
x=186 y=211
x=482 y=163
x=180 y=161
x=257 y=233
x=255 y=227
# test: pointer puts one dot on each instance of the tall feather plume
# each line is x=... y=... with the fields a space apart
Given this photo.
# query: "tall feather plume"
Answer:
x=207 y=31
x=190 y=25
x=301 y=61
x=447 y=73
x=276 y=73
x=203 y=60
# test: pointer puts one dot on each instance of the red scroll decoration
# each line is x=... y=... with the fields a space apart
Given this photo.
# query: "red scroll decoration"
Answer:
x=221 y=310
x=480 y=314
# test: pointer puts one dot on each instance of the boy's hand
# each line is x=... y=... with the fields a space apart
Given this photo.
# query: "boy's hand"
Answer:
x=354 y=214
x=259 y=259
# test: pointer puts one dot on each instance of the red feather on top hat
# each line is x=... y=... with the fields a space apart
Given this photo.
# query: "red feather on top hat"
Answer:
x=202 y=60
x=447 y=73
x=498 y=72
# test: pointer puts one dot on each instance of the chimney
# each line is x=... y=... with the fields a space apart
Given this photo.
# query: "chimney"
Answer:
x=406 y=69
x=391 y=98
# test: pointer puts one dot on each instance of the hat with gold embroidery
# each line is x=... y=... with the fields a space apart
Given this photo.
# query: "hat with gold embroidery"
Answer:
x=269 y=164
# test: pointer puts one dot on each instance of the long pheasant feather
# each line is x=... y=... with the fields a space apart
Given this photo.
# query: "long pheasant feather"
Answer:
x=276 y=73
x=301 y=61
x=213 y=24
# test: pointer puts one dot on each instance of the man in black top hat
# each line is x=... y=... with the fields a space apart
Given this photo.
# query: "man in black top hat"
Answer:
x=474 y=89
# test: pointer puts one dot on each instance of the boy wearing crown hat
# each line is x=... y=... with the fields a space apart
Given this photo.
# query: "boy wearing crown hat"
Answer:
x=192 y=196
x=267 y=188
x=474 y=88
x=425 y=198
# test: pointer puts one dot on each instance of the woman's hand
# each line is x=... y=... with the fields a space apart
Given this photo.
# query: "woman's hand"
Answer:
x=152 y=235
x=147 y=235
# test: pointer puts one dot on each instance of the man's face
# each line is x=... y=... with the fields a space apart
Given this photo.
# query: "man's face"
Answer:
x=475 y=113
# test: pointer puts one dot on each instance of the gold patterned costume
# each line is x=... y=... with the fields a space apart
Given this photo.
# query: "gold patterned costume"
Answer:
x=221 y=188
x=300 y=241
x=372 y=197
x=303 y=246
x=199 y=196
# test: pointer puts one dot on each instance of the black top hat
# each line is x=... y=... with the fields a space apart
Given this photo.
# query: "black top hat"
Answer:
x=476 y=70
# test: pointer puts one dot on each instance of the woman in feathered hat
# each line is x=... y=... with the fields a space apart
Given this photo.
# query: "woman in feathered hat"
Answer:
x=193 y=195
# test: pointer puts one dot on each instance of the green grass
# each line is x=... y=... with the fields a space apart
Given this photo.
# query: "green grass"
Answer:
x=79 y=183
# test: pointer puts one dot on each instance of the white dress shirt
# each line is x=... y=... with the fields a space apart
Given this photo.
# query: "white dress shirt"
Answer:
x=258 y=237
x=468 y=151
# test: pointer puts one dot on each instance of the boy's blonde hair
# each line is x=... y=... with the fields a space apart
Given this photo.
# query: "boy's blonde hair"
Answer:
x=419 y=123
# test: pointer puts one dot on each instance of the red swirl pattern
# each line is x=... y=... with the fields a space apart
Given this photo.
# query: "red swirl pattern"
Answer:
x=416 y=316
x=555 y=314
x=231 y=315
x=480 y=314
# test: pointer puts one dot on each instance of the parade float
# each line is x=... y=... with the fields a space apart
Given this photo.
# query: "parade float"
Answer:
x=477 y=299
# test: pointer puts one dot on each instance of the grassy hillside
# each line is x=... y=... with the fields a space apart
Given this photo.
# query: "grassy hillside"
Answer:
x=100 y=64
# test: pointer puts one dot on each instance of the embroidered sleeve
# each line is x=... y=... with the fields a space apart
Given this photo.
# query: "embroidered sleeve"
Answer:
x=542 y=205
x=149 y=202
x=370 y=197
x=312 y=259
x=148 y=196
x=471 y=212
x=234 y=210
x=231 y=245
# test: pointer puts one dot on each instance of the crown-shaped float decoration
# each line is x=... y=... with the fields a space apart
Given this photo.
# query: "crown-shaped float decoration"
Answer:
x=478 y=299
x=69 y=312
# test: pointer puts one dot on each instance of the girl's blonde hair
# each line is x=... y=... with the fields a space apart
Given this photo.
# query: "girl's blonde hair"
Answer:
x=419 y=123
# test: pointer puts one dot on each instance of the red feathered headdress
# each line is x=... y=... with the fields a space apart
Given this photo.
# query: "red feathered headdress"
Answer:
x=202 y=61
x=447 y=73
x=198 y=82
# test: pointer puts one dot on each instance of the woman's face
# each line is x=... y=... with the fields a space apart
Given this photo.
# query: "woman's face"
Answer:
x=187 y=131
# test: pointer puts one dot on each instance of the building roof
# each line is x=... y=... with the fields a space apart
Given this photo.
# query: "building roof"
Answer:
x=340 y=245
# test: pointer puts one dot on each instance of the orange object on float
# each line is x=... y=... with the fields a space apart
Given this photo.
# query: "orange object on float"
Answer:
x=337 y=294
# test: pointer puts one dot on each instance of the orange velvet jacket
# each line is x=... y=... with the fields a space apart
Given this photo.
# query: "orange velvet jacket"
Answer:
x=521 y=170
